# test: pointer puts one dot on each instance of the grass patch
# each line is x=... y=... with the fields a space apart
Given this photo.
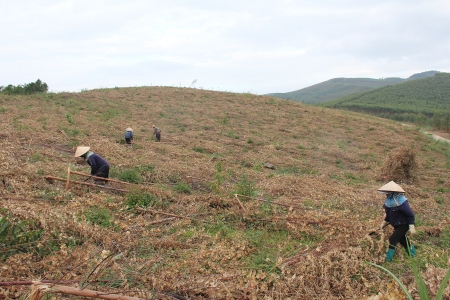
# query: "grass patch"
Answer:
x=182 y=187
x=99 y=216
x=293 y=170
x=140 y=199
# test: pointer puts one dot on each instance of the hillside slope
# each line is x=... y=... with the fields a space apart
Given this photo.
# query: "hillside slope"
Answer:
x=341 y=87
x=299 y=231
x=421 y=96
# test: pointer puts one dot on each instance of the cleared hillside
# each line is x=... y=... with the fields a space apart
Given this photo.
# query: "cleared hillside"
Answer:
x=300 y=231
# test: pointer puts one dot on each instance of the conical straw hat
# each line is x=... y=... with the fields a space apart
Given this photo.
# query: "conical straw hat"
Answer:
x=81 y=150
x=391 y=187
x=129 y=129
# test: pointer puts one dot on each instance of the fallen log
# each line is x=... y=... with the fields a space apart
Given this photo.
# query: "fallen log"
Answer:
x=44 y=288
x=51 y=178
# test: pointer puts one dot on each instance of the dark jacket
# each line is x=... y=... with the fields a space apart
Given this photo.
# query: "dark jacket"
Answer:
x=98 y=164
x=399 y=215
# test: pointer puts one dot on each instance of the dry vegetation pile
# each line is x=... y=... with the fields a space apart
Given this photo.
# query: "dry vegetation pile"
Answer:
x=203 y=218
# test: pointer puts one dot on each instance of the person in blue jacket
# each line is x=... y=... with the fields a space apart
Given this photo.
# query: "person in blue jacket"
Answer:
x=399 y=214
x=129 y=135
x=99 y=166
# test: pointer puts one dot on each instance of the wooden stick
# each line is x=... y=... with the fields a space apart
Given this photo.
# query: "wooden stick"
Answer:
x=272 y=202
x=68 y=178
x=50 y=178
x=170 y=219
x=10 y=283
x=240 y=203
x=25 y=199
x=168 y=214
x=199 y=179
x=105 y=179
x=62 y=131
x=46 y=288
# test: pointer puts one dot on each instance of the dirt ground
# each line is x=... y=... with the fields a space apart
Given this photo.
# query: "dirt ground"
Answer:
x=440 y=135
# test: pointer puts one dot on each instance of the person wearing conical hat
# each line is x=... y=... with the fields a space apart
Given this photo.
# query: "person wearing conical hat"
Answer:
x=157 y=133
x=99 y=166
x=399 y=214
x=129 y=135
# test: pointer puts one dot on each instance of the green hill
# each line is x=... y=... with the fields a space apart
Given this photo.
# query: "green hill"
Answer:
x=340 y=87
x=416 y=100
x=203 y=214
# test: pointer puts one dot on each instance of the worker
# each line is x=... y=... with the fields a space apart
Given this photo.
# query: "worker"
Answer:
x=99 y=166
x=129 y=136
x=399 y=214
x=156 y=133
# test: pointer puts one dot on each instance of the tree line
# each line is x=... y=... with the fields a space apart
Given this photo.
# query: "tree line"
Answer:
x=26 y=89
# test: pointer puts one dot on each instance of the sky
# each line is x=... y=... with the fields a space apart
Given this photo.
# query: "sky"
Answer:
x=245 y=46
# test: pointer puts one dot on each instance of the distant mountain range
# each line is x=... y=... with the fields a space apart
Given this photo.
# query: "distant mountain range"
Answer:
x=340 y=87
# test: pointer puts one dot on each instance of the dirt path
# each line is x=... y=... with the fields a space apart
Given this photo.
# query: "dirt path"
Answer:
x=439 y=136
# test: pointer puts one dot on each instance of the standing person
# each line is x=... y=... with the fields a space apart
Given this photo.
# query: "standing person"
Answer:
x=129 y=136
x=157 y=133
x=399 y=214
x=99 y=166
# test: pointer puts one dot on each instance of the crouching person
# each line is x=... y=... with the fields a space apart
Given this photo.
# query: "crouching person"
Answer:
x=99 y=166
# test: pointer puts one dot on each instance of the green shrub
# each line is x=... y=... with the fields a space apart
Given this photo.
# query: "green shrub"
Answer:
x=182 y=187
x=17 y=236
x=130 y=175
x=99 y=216
x=199 y=149
x=245 y=187
x=140 y=199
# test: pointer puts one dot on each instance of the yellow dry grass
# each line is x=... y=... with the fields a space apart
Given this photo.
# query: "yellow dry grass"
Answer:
x=309 y=241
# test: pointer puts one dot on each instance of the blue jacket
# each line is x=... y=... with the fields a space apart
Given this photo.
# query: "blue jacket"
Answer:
x=98 y=164
x=399 y=215
x=129 y=135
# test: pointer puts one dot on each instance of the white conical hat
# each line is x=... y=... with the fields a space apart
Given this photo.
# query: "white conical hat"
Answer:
x=81 y=150
x=129 y=129
x=391 y=187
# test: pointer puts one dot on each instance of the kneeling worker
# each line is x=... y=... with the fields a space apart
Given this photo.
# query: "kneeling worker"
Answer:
x=99 y=166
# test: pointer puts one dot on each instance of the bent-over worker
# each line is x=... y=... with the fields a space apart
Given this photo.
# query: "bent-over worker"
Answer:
x=99 y=166
x=129 y=135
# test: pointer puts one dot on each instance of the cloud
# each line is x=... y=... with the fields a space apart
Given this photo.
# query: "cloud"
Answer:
x=265 y=46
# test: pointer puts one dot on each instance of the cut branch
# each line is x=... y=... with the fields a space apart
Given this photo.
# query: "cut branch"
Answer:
x=169 y=214
x=271 y=202
x=51 y=178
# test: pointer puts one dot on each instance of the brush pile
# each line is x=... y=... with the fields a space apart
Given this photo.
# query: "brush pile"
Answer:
x=400 y=166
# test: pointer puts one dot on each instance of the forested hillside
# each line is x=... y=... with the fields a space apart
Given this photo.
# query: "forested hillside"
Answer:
x=424 y=101
x=335 y=88
x=340 y=87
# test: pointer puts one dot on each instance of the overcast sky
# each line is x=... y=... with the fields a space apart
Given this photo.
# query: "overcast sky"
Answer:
x=257 y=46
